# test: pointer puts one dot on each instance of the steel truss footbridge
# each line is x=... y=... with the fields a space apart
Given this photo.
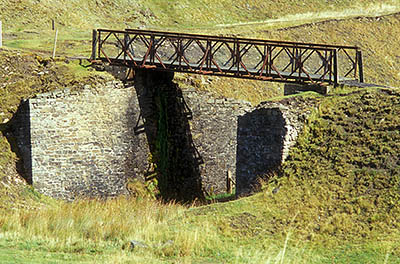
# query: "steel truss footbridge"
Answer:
x=267 y=60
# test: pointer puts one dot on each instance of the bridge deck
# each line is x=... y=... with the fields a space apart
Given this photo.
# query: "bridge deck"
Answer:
x=251 y=73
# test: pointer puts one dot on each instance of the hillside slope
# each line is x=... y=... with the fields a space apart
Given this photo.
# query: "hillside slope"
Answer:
x=169 y=13
x=331 y=22
x=344 y=172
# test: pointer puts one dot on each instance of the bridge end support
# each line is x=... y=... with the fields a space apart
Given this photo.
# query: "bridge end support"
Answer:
x=94 y=45
x=291 y=88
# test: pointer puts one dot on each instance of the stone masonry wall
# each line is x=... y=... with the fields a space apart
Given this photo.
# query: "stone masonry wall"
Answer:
x=214 y=128
x=90 y=142
x=82 y=142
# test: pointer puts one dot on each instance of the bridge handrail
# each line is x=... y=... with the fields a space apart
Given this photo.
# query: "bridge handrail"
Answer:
x=227 y=38
x=292 y=43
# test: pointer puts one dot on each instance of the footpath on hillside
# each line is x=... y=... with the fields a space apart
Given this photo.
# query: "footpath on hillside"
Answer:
x=320 y=17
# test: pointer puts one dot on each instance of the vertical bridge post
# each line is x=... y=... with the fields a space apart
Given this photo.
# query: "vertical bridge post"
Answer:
x=360 y=66
x=237 y=57
x=94 y=44
x=335 y=68
x=126 y=42
x=152 y=48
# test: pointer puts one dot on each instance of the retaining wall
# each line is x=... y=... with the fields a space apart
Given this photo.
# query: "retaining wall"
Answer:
x=82 y=143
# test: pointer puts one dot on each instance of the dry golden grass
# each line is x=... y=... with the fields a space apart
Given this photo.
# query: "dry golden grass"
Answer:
x=101 y=231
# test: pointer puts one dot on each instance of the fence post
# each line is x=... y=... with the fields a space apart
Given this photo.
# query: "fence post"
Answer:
x=229 y=182
x=237 y=56
x=209 y=55
x=94 y=44
x=335 y=68
x=1 y=35
x=152 y=49
x=99 y=44
x=180 y=52
x=360 y=66
x=269 y=50
x=55 y=44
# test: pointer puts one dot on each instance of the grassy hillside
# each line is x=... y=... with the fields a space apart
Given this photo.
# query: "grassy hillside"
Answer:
x=344 y=172
x=80 y=14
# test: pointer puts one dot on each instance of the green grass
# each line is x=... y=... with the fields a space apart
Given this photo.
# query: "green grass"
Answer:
x=221 y=197
x=14 y=255
x=234 y=232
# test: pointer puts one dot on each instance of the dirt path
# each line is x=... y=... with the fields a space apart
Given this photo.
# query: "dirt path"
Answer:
x=299 y=19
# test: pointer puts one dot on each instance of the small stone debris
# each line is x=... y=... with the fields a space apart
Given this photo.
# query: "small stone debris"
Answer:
x=168 y=243
x=136 y=244
x=276 y=190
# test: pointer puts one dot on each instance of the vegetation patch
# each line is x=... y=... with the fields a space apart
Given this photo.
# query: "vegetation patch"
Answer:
x=343 y=175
